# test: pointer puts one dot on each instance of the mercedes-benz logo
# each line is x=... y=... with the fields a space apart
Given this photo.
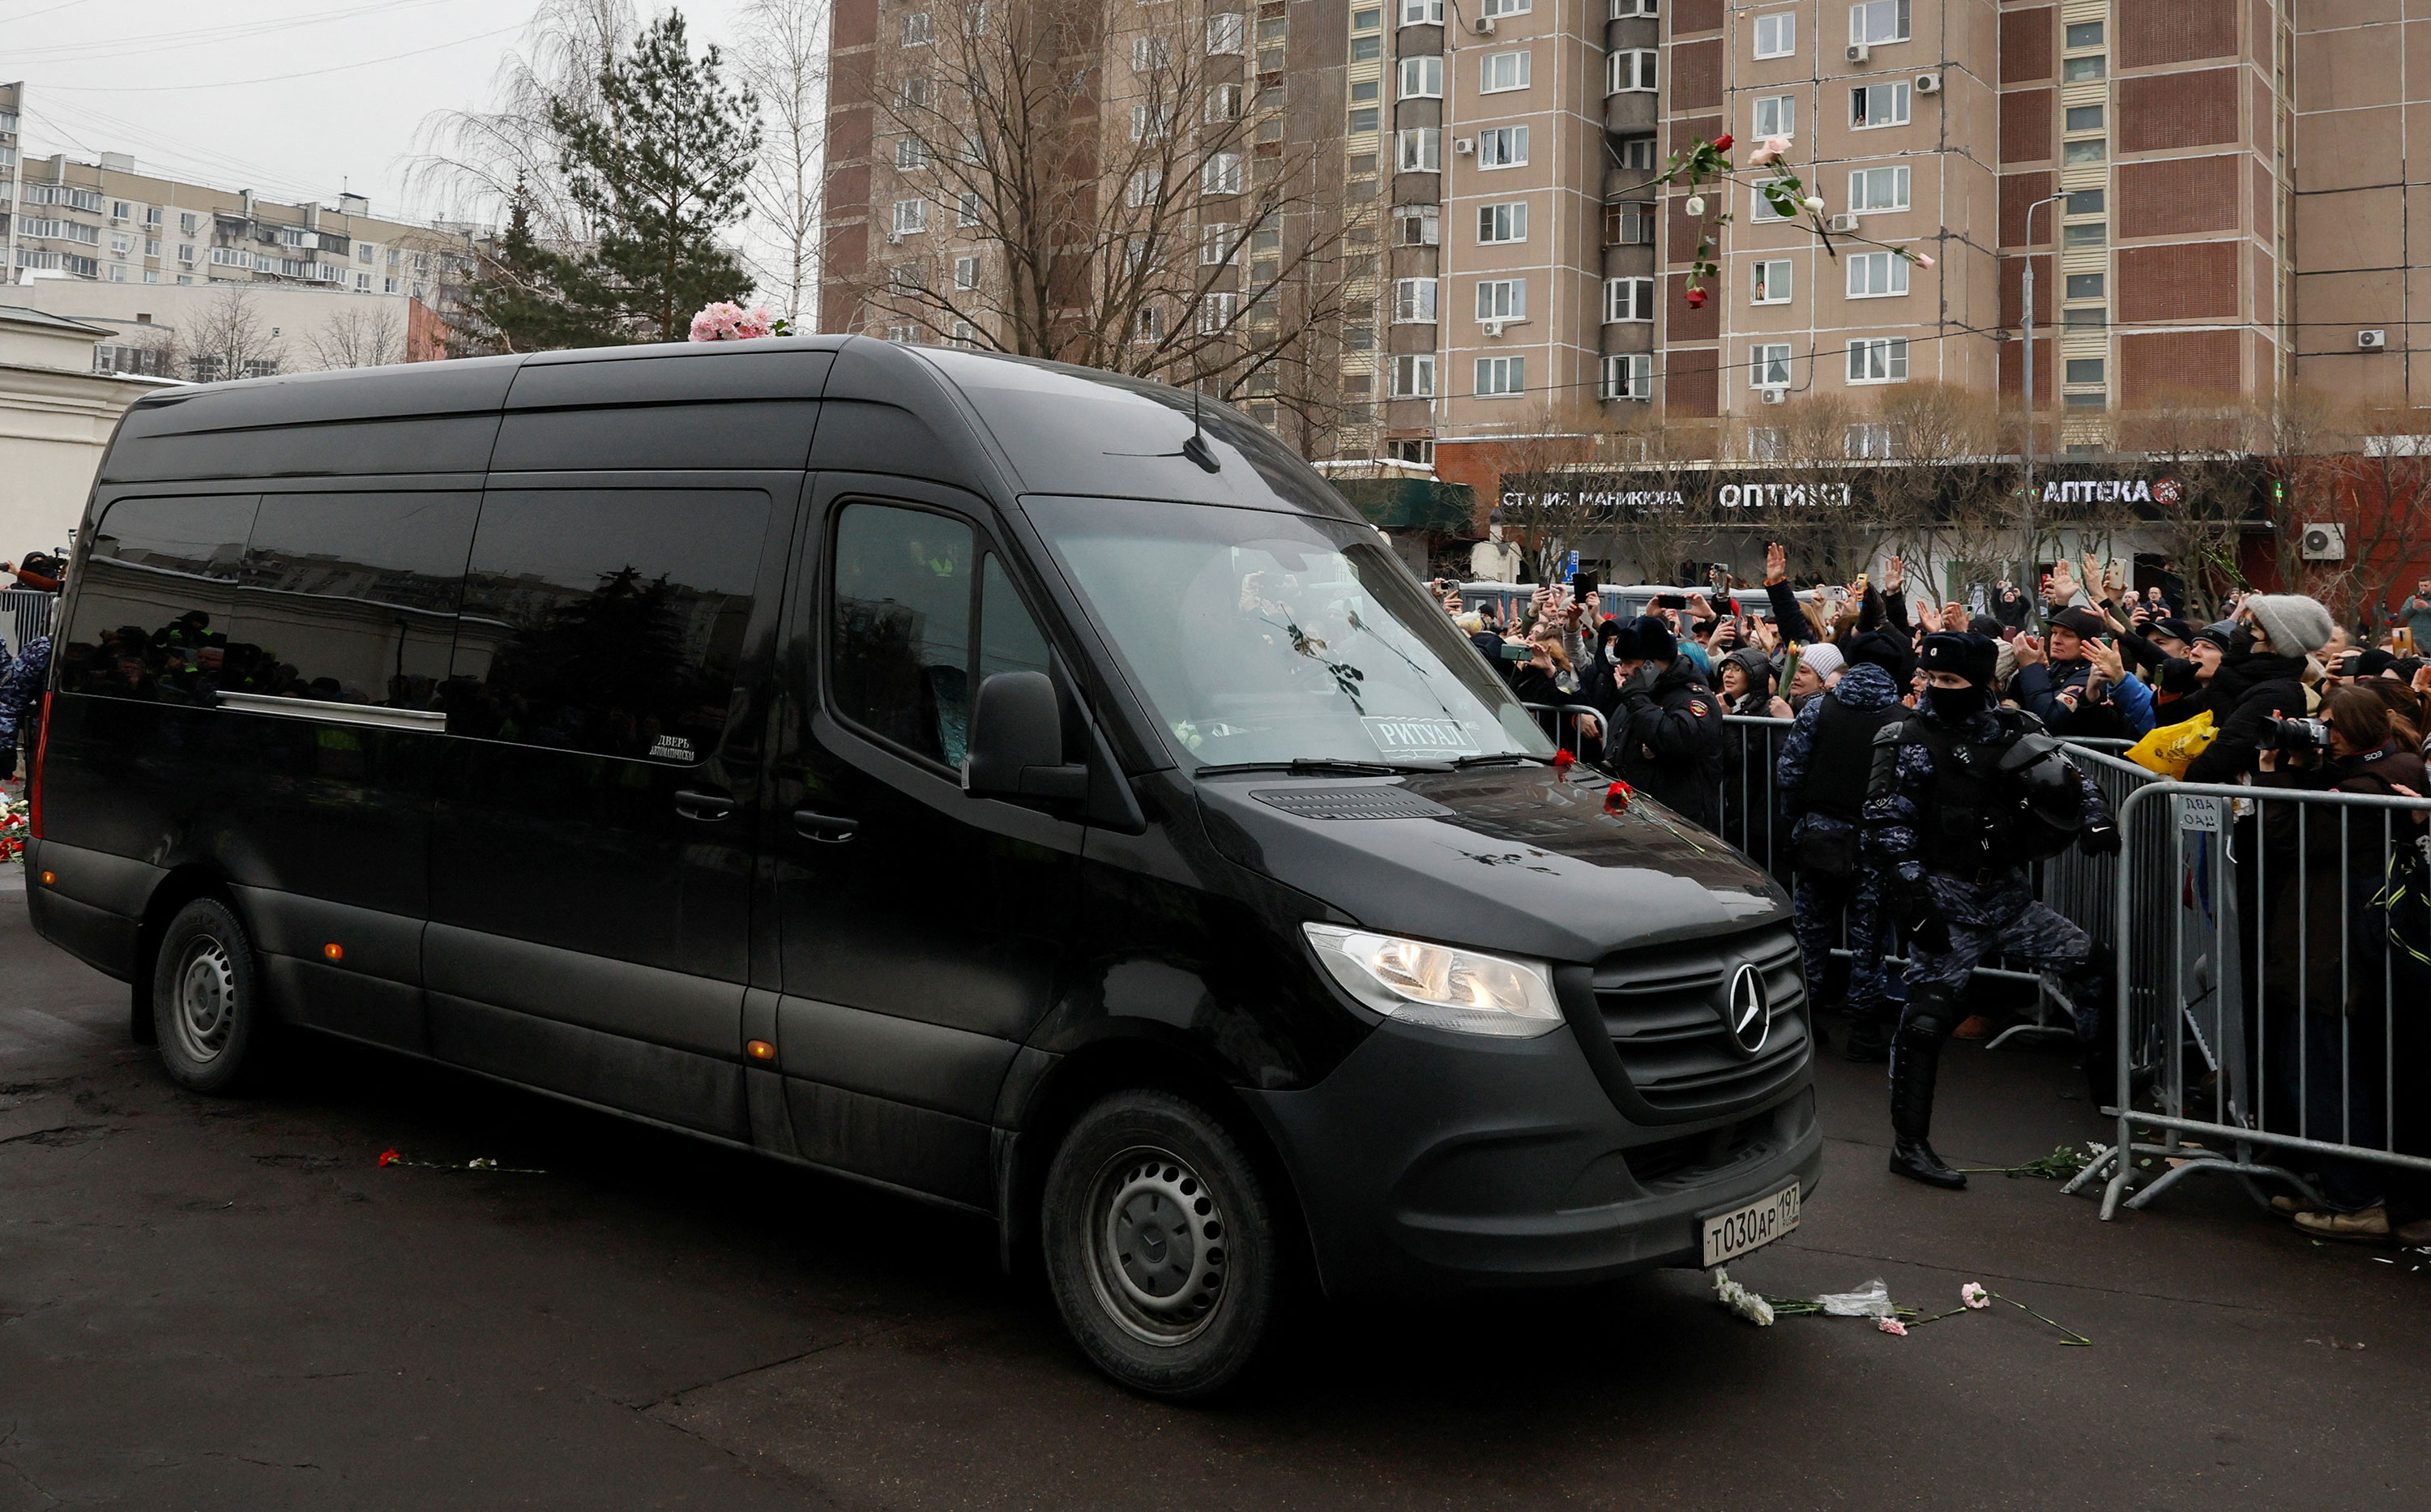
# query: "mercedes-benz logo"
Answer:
x=1747 y=1010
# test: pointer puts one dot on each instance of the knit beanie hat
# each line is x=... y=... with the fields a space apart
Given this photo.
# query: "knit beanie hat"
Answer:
x=1823 y=657
x=2297 y=626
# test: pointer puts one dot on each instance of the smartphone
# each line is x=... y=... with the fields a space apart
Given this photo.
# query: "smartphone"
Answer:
x=1586 y=585
x=1668 y=601
x=1514 y=653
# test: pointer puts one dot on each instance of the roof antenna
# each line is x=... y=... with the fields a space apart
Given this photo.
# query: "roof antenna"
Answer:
x=1196 y=448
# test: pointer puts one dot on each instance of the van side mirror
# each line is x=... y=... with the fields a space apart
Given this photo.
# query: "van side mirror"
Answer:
x=1016 y=742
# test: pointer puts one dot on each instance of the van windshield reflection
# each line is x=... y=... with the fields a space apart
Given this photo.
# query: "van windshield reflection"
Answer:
x=1268 y=639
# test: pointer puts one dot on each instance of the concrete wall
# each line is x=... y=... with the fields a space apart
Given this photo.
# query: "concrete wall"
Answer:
x=55 y=417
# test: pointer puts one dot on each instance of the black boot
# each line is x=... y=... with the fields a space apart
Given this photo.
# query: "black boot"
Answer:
x=1869 y=1041
x=1915 y=1061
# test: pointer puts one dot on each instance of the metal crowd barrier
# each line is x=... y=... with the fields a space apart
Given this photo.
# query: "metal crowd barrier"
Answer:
x=24 y=614
x=1564 y=724
x=2278 y=1008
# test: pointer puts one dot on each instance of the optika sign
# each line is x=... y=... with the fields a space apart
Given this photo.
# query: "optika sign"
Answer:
x=1782 y=495
x=2111 y=491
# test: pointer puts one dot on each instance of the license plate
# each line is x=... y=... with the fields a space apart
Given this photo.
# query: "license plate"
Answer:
x=1752 y=1227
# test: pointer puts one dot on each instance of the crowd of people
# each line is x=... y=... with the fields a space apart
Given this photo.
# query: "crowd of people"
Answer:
x=25 y=669
x=1923 y=771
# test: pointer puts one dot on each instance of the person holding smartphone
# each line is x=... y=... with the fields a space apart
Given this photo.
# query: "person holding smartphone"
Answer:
x=1666 y=734
x=2074 y=682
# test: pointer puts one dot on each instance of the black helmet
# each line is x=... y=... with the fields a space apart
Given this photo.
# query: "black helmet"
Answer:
x=2043 y=797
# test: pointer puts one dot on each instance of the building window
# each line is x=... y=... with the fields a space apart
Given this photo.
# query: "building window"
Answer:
x=117 y=273
x=1422 y=13
x=2083 y=118
x=1776 y=115
x=1221 y=175
x=1224 y=103
x=1417 y=225
x=1147 y=324
x=1363 y=120
x=1149 y=53
x=1876 y=22
x=1772 y=281
x=1506 y=7
x=185 y=226
x=2087 y=401
x=2086 y=149
x=1146 y=188
x=1765 y=443
x=1878 y=104
x=1624 y=9
x=1877 y=275
x=1362 y=49
x=1417 y=150
x=2083 y=317
x=1631 y=71
x=151 y=275
x=2083 y=202
x=966 y=273
x=261 y=367
x=911 y=153
x=1414 y=301
x=1220 y=241
x=911 y=217
x=362 y=283
x=1628 y=375
x=1502 y=223
x=2084 y=34
x=1630 y=223
x=920 y=30
x=1878 y=359
x=1422 y=78
x=1502 y=299
x=1637 y=154
x=120 y=243
x=2085 y=285
x=2085 y=370
x=1768 y=365
x=1878 y=189
x=1499 y=72
x=152 y=215
x=1228 y=33
x=964 y=336
x=2086 y=233
x=1628 y=300
x=1776 y=36
x=1503 y=147
x=1761 y=209
x=2084 y=70
x=1216 y=312
x=387 y=285
x=1501 y=377
x=1151 y=121
x=1414 y=375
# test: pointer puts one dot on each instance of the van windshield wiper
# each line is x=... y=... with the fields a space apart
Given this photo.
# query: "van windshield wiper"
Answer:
x=1323 y=766
x=1506 y=758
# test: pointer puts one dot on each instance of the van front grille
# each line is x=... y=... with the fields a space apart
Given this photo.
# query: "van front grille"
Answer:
x=1666 y=1011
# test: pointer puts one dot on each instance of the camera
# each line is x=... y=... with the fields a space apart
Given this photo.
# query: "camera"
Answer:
x=2295 y=736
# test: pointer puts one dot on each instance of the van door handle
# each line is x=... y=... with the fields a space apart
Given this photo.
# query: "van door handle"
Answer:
x=707 y=807
x=834 y=829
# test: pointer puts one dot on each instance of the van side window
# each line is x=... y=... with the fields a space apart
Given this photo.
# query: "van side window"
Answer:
x=899 y=654
x=154 y=597
x=1009 y=638
x=350 y=598
x=606 y=620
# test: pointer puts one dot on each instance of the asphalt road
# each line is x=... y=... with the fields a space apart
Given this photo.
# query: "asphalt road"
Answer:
x=229 y=1304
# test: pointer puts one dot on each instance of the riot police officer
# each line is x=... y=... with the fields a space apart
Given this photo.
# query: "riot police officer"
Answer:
x=1963 y=796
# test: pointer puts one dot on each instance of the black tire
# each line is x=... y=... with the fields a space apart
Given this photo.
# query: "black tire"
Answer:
x=207 y=1008
x=1162 y=1245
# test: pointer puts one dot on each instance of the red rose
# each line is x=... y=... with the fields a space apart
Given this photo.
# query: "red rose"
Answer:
x=390 y=1157
x=1696 y=298
x=1615 y=797
x=1722 y=142
x=1562 y=759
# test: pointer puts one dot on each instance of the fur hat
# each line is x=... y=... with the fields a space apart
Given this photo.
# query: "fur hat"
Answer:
x=1972 y=656
x=2297 y=626
x=1656 y=642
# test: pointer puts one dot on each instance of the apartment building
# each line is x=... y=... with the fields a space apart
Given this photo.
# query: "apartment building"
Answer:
x=107 y=222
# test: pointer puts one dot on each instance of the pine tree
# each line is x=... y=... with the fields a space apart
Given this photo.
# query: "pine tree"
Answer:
x=519 y=300
x=660 y=166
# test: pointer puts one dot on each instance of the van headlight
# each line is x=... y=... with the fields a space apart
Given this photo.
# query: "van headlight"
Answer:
x=1438 y=985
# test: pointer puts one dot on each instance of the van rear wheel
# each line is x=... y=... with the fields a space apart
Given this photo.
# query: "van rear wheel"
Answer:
x=207 y=1006
x=1161 y=1245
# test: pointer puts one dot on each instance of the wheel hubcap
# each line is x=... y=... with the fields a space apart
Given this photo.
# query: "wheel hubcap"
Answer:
x=206 y=1008
x=1157 y=1255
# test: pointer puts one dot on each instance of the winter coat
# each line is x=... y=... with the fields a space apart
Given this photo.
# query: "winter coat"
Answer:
x=2321 y=942
x=1667 y=740
x=2268 y=682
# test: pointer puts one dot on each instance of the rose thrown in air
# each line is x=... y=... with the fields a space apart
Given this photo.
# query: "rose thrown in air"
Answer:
x=1696 y=298
x=1696 y=205
x=1722 y=142
x=1924 y=260
x=1813 y=202
x=1771 y=150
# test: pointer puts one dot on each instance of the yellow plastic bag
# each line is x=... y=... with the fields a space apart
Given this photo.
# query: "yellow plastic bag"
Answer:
x=2169 y=750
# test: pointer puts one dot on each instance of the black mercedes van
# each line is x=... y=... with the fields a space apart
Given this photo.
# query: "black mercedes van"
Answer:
x=1025 y=788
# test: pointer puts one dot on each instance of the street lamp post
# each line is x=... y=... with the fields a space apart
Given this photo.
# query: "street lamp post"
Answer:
x=2028 y=583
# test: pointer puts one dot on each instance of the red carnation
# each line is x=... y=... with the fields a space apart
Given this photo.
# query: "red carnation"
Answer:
x=1722 y=142
x=1563 y=758
x=1615 y=797
x=1696 y=298
x=390 y=1157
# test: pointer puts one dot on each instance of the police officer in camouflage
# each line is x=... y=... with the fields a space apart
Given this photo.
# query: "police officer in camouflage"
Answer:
x=1963 y=796
x=1822 y=777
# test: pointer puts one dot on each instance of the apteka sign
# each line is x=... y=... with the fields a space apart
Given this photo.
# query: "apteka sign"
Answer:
x=2111 y=491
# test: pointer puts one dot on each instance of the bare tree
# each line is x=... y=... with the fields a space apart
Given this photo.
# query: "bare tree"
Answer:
x=1551 y=497
x=2204 y=451
x=230 y=340
x=1657 y=496
x=2363 y=476
x=783 y=60
x=359 y=334
x=1122 y=199
x=478 y=161
x=1937 y=484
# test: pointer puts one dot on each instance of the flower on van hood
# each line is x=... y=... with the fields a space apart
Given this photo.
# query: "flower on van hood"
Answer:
x=726 y=321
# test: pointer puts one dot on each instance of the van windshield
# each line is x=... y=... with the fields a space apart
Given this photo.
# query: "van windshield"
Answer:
x=1264 y=637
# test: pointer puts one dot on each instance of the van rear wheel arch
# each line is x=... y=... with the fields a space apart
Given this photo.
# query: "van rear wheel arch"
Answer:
x=179 y=888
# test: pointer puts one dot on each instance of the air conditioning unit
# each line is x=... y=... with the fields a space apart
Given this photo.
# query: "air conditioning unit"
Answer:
x=1928 y=83
x=1773 y=396
x=1482 y=25
x=2326 y=543
x=1844 y=224
x=1859 y=53
x=894 y=238
x=1492 y=327
x=2371 y=341
x=1463 y=146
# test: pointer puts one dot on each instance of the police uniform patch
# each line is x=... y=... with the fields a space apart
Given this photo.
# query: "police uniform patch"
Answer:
x=1698 y=707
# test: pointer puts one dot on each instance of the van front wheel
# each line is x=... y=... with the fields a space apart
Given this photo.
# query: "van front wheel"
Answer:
x=207 y=999
x=1161 y=1245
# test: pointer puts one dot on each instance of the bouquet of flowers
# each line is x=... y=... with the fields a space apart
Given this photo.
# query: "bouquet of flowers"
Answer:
x=12 y=830
x=727 y=321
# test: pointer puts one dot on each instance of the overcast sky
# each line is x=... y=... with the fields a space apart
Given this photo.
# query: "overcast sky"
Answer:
x=294 y=99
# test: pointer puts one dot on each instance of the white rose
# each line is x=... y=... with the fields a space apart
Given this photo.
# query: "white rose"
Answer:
x=1813 y=202
x=1696 y=205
